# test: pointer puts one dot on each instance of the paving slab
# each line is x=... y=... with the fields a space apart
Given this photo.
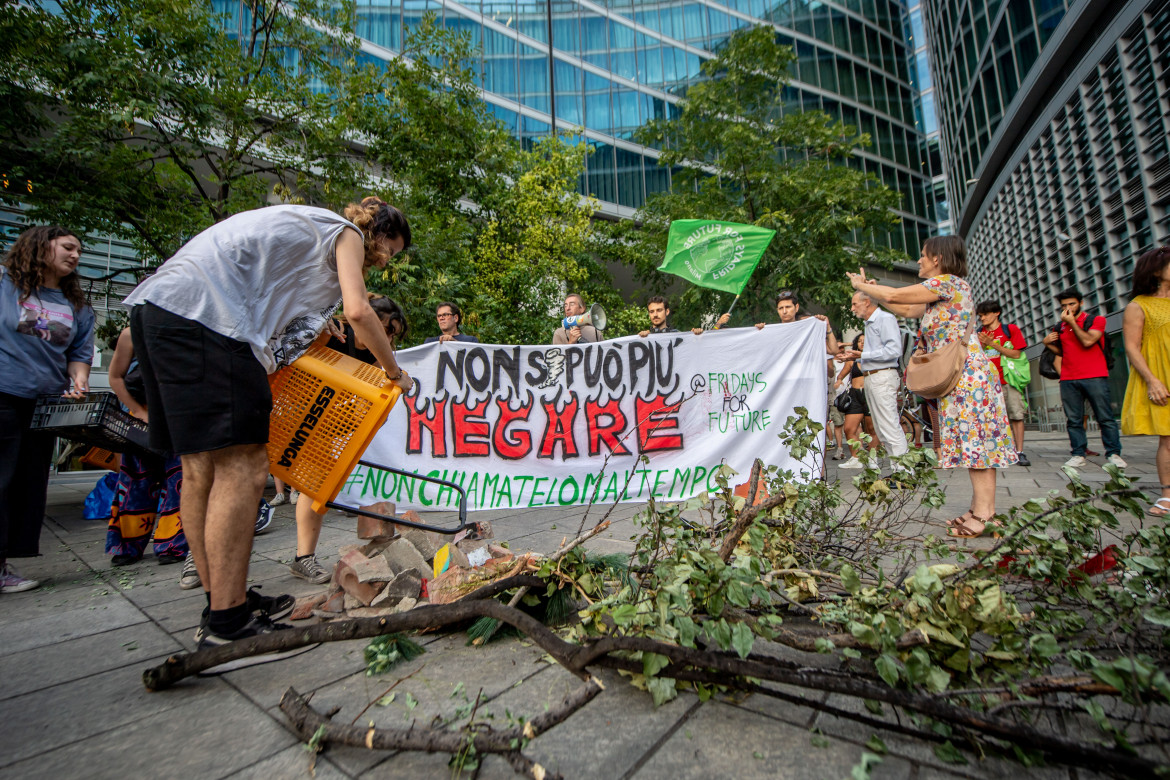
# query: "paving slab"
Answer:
x=60 y=625
x=76 y=659
x=292 y=762
x=610 y=735
x=47 y=720
x=211 y=734
x=324 y=665
x=720 y=740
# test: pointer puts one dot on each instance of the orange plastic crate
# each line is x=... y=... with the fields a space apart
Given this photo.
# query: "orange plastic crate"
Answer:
x=326 y=409
x=101 y=459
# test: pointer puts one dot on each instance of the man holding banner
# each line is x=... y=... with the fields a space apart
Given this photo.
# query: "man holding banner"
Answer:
x=627 y=419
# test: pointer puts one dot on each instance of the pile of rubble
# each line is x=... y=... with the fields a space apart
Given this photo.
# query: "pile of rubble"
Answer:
x=395 y=569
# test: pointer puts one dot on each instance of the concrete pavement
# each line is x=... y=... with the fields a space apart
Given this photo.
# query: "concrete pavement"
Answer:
x=72 y=653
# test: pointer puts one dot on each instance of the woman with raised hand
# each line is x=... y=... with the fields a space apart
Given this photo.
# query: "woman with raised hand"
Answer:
x=972 y=416
x=46 y=346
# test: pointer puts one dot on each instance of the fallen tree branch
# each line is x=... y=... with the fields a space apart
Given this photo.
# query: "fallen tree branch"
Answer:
x=724 y=669
x=307 y=722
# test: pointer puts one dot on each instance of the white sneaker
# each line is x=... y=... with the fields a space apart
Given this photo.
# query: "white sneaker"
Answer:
x=852 y=463
x=1117 y=461
x=293 y=495
x=280 y=499
x=1076 y=462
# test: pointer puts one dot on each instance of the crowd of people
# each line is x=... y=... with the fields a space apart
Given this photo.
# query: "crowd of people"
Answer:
x=250 y=294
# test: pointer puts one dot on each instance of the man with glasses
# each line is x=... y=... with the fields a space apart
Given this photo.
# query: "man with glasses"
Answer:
x=879 y=362
x=581 y=334
x=449 y=316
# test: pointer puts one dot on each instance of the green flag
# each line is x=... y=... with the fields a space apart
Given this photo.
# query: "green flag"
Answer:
x=719 y=255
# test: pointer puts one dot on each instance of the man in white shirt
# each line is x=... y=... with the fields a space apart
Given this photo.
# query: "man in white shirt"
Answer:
x=879 y=364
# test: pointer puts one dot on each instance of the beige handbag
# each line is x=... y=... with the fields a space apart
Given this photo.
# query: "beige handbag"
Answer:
x=935 y=374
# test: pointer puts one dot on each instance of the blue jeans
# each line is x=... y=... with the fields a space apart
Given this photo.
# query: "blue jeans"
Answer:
x=1073 y=394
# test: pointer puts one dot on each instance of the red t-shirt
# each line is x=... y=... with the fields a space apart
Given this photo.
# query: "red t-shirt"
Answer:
x=1079 y=362
x=1000 y=336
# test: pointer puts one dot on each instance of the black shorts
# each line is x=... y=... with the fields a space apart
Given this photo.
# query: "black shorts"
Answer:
x=857 y=402
x=204 y=391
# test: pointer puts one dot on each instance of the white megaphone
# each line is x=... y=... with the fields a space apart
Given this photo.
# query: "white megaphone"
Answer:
x=595 y=317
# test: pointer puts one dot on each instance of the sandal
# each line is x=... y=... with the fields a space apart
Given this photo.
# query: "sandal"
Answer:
x=961 y=520
x=963 y=531
x=1161 y=508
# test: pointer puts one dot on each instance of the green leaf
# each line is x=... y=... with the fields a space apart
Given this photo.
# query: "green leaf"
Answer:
x=850 y=579
x=875 y=707
x=662 y=689
x=868 y=762
x=624 y=615
x=875 y=744
x=937 y=680
x=1145 y=562
x=738 y=595
x=742 y=639
x=887 y=669
x=949 y=753
x=1158 y=616
x=653 y=663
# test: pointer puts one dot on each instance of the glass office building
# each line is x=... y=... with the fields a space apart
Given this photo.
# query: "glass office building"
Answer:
x=925 y=119
x=603 y=68
x=1054 y=131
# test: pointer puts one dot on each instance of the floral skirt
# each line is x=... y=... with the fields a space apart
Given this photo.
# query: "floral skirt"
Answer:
x=973 y=417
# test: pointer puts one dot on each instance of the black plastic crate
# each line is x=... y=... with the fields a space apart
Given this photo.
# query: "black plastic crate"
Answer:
x=97 y=419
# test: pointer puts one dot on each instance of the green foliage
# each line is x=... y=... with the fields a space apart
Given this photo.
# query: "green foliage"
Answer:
x=385 y=652
x=151 y=120
x=739 y=155
x=920 y=614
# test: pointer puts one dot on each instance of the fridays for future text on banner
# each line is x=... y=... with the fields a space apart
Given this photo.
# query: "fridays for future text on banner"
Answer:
x=535 y=426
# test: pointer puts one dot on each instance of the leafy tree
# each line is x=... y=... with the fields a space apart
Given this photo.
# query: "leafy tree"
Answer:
x=737 y=156
x=151 y=120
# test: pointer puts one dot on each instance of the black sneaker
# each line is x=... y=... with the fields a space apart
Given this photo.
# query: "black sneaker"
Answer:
x=263 y=518
x=259 y=624
x=271 y=607
x=1022 y=459
x=125 y=559
x=274 y=607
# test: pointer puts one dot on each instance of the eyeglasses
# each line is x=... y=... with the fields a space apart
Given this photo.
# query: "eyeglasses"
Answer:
x=443 y=316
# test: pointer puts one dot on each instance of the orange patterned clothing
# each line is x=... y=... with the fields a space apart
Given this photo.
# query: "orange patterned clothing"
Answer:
x=1138 y=415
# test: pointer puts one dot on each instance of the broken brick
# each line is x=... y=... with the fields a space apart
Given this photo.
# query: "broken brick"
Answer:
x=303 y=609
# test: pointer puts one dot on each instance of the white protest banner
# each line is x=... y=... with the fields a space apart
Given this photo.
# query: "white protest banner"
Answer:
x=531 y=426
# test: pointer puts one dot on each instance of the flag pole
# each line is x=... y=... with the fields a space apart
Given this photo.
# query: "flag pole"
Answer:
x=729 y=308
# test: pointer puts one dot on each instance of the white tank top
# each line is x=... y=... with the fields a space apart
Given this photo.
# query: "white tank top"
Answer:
x=266 y=277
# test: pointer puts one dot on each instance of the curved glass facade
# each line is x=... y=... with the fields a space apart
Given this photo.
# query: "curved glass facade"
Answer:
x=602 y=68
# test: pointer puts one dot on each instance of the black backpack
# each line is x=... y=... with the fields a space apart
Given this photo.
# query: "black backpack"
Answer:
x=1047 y=365
x=1103 y=342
